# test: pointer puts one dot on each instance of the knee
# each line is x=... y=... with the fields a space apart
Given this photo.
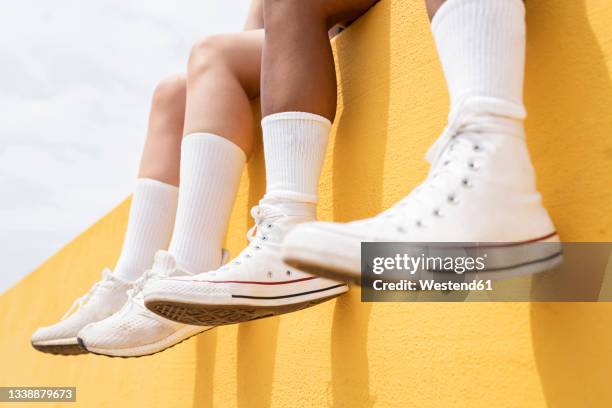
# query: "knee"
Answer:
x=206 y=54
x=170 y=92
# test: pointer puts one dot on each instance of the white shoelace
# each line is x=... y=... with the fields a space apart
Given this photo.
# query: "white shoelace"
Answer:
x=153 y=274
x=105 y=282
x=264 y=217
x=452 y=157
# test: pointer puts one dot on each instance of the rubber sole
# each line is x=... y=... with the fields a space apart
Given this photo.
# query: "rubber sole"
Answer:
x=100 y=352
x=508 y=261
x=61 y=349
x=327 y=272
x=220 y=315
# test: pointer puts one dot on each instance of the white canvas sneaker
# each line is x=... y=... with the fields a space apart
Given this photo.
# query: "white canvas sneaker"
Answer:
x=255 y=284
x=102 y=300
x=134 y=331
x=480 y=189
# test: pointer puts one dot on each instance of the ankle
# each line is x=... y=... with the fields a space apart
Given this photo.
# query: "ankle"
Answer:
x=294 y=205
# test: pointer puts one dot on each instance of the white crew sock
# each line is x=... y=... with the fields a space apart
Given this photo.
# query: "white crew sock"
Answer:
x=481 y=44
x=211 y=167
x=149 y=226
x=294 y=149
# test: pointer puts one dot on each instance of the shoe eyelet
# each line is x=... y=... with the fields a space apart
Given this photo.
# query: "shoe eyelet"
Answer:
x=400 y=229
x=477 y=148
x=264 y=238
x=472 y=166
x=452 y=199
x=269 y=226
x=269 y=274
x=419 y=223
x=465 y=182
x=288 y=272
x=257 y=247
x=247 y=255
x=446 y=163
x=437 y=213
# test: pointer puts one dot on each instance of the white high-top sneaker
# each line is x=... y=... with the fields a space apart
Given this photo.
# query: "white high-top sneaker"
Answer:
x=480 y=189
x=102 y=300
x=134 y=331
x=255 y=284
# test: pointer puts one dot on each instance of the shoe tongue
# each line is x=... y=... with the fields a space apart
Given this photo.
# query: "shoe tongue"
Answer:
x=164 y=261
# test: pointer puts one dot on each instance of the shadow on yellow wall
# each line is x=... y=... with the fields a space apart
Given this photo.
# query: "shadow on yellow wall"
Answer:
x=357 y=189
x=569 y=96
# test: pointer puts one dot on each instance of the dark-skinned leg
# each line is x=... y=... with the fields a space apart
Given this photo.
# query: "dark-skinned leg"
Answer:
x=433 y=6
x=299 y=90
x=302 y=78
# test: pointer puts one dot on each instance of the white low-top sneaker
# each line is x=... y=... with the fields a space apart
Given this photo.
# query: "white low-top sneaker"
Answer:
x=255 y=284
x=102 y=300
x=480 y=190
x=134 y=331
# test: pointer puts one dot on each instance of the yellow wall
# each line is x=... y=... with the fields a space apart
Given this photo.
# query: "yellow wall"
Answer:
x=348 y=354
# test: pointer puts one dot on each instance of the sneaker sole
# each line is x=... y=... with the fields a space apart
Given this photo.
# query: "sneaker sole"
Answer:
x=67 y=349
x=141 y=351
x=528 y=258
x=236 y=310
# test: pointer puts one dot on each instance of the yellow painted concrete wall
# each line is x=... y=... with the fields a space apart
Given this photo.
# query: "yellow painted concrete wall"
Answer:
x=348 y=354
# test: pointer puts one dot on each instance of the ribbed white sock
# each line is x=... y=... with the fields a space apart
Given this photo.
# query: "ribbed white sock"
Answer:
x=294 y=149
x=149 y=226
x=481 y=44
x=211 y=167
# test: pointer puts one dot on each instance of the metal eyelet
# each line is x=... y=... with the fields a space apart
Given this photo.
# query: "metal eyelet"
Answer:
x=472 y=165
x=257 y=247
x=400 y=229
x=288 y=272
x=446 y=163
x=476 y=148
x=419 y=223
x=264 y=238
x=269 y=226
x=452 y=199
x=437 y=212
x=269 y=274
x=465 y=182
x=247 y=255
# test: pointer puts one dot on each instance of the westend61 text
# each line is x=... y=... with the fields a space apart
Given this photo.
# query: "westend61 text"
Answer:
x=406 y=285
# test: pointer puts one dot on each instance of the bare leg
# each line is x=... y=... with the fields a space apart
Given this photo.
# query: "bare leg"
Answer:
x=223 y=77
x=302 y=78
x=433 y=6
x=162 y=150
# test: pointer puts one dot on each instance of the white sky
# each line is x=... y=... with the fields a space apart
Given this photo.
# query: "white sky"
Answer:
x=76 y=80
